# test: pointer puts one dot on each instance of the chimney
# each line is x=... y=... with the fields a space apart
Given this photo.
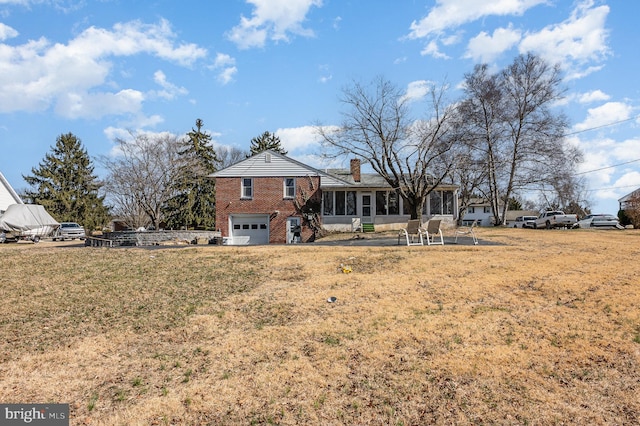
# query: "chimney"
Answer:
x=355 y=169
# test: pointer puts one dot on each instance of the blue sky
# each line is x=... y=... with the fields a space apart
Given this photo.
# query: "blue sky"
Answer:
x=102 y=68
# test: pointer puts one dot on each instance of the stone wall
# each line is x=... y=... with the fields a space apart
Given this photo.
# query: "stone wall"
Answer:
x=154 y=238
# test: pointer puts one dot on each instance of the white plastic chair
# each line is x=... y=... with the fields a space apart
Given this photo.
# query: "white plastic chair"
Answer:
x=412 y=233
x=467 y=231
x=434 y=233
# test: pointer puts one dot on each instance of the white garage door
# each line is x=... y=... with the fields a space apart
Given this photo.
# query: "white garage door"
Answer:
x=249 y=229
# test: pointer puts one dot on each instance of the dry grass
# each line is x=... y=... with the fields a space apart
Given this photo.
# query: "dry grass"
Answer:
x=544 y=329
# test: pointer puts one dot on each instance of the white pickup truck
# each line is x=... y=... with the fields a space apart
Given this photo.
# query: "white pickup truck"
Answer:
x=555 y=219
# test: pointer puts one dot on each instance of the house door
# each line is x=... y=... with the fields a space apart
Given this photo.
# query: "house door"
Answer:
x=293 y=230
x=366 y=207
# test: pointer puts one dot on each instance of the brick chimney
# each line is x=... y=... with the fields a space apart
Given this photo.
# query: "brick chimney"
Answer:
x=355 y=169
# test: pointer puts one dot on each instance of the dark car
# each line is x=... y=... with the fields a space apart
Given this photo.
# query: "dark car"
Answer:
x=69 y=231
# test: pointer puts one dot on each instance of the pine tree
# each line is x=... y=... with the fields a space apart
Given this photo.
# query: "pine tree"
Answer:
x=266 y=141
x=65 y=185
x=193 y=205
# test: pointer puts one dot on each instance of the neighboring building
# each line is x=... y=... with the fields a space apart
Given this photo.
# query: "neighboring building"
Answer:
x=624 y=201
x=478 y=210
x=271 y=198
x=7 y=195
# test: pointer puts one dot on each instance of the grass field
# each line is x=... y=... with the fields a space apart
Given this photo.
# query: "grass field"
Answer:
x=541 y=329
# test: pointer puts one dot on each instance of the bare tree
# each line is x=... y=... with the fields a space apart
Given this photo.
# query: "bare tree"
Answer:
x=229 y=155
x=138 y=183
x=413 y=156
x=512 y=129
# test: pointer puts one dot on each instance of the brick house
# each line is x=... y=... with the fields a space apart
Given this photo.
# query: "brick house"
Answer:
x=271 y=198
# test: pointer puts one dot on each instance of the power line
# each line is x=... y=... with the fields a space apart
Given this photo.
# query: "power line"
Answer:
x=613 y=187
x=613 y=123
x=608 y=167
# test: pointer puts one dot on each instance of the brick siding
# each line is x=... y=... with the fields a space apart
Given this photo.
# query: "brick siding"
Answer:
x=268 y=197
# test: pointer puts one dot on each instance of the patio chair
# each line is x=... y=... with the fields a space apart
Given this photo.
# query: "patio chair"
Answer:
x=434 y=233
x=467 y=231
x=412 y=233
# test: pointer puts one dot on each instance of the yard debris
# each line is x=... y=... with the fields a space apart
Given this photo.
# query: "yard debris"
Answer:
x=346 y=269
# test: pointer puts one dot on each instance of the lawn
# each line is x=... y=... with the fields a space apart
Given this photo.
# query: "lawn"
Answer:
x=542 y=328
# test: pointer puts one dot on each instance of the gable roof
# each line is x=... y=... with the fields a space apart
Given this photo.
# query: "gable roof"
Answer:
x=7 y=195
x=273 y=164
x=629 y=196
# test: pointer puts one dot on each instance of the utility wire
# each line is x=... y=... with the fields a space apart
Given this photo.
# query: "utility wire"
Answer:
x=608 y=167
x=613 y=123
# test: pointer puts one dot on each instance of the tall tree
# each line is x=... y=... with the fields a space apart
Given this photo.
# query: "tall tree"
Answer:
x=413 y=156
x=65 y=185
x=266 y=141
x=140 y=177
x=229 y=155
x=193 y=202
x=509 y=124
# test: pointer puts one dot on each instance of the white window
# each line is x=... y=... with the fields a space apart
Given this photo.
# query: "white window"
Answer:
x=247 y=188
x=289 y=188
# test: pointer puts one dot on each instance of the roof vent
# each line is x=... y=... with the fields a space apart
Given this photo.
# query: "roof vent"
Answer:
x=267 y=157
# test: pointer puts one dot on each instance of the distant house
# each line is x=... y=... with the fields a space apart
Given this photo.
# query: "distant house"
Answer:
x=7 y=195
x=479 y=210
x=625 y=201
x=271 y=198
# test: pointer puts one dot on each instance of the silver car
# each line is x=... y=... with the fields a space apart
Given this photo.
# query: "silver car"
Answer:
x=598 y=221
x=521 y=221
x=69 y=231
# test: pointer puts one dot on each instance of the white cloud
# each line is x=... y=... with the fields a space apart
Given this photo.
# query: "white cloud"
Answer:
x=432 y=49
x=336 y=23
x=226 y=67
x=325 y=72
x=298 y=138
x=417 y=90
x=6 y=32
x=450 y=14
x=609 y=113
x=580 y=39
x=169 y=90
x=593 y=96
x=484 y=48
x=39 y=74
x=95 y=105
x=273 y=20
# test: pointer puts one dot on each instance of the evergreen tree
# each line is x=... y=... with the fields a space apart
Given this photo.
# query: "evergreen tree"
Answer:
x=266 y=141
x=193 y=205
x=65 y=185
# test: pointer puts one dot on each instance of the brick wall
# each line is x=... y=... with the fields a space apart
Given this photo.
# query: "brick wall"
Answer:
x=268 y=197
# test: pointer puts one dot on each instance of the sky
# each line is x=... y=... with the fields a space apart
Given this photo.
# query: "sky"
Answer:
x=104 y=69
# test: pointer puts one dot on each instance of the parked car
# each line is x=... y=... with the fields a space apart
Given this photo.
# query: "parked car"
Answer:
x=554 y=219
x=69 y=231
x=598 y=221
x=521 y=221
